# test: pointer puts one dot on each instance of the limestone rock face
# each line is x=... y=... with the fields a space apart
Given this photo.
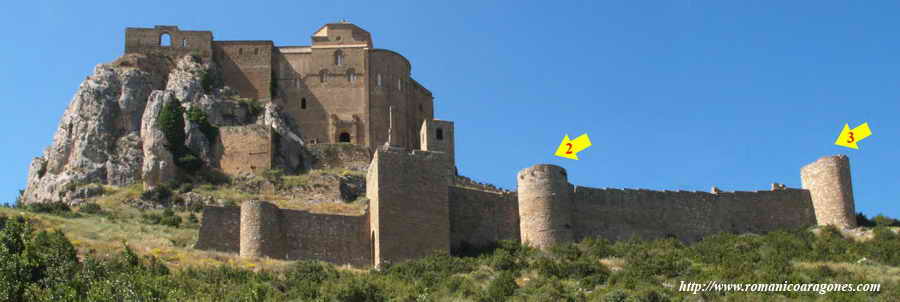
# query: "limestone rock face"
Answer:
x=97 y=135
x=159 y=164
x=290 y=154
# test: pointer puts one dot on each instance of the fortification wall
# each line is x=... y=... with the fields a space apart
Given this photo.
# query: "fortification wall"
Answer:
x=333 y=238
x=408 y=199
x=618 y=214
x=261 y=231
x=479 y=218
x=220 y=229
x=150 y=41
x=245 y=149
x=246 y=67
x=828 y=180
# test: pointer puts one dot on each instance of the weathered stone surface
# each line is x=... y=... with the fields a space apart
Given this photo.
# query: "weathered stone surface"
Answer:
x=289 y=154
x=197 y=142
x=97 y=134
x=159 y=164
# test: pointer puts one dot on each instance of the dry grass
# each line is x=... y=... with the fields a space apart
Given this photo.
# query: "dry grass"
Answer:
x=880 y=273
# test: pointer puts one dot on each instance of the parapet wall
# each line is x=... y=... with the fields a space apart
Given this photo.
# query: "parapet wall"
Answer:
x=618 y=214
x=479 y=218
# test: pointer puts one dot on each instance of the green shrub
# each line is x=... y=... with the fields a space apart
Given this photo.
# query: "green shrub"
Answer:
x=503 y=286
x=90 y=208
x=151 y=218
x=52 y=208
x=197 y=116
x=275 y=176
x=171 y=122
x=193 y=219
x=172 y=221
x=161 y=195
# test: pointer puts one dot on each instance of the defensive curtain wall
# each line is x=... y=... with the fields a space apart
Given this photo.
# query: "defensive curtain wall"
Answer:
x=418 y=207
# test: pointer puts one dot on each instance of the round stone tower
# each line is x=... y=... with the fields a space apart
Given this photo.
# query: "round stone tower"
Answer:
x=545 y=206
x=260 y=229
x=829 y=185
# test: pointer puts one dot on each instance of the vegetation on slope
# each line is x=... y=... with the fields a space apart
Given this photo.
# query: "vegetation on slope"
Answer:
x=38 y=262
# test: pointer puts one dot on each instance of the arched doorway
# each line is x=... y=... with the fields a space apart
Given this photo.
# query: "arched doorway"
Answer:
x=344 y=137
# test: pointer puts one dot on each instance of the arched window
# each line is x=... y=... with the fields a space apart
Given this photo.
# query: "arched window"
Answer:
x=351 y=75
x=338 y=57
x=323 y=76
x=184 y=43
x=303 y=103
x=165 y=40
x=344 y=137
x=378 y=78
x=440 y=134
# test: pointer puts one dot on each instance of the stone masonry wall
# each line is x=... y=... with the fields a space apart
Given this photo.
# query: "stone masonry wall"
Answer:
x=148 y=41
x=545 y=206
x=408 y=200
x=479 y=218
x=334 y=238
x=261 y=232
x=220 y=229
x=618 y=214
x=828 y=180
x=246 y=67
x=246 y=149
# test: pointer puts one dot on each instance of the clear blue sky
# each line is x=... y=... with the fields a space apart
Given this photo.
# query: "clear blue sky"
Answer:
x=674 y=94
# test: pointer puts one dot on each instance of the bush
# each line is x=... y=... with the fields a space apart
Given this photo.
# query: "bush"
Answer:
x=172 y=221
x=193 y=219
x=52 y=208
x=501 y=287
x=90 y=208
x=197 y=116
x=161 y=195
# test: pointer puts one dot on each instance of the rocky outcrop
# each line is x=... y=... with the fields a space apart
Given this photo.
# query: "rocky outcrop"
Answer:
x=159 y=163
x=290 y=154
x=98 y=135
x=110 y=133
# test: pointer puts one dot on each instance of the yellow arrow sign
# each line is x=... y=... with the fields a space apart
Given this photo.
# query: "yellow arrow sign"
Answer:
x=848 y=137
x=569 y=148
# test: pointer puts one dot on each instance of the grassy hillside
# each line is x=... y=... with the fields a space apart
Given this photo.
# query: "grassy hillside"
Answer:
x=115 y=251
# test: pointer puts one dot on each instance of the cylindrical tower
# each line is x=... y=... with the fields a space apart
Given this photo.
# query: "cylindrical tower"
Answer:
x=260 y=230
x=829 y=185
x=545 y=206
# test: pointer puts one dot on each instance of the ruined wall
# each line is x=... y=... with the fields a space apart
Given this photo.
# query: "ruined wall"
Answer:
x=334 y=238
x=261 y=231
x=149 y=41
x=246 y=67
x=220 y=229
x=246 y=149
x=481 y=217
x=339 y=156
x=408 y=198
x=828 y=180
x=618 y=214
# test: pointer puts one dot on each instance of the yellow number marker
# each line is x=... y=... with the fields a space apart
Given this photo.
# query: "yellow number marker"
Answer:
x=569 y=148
x=849 y=137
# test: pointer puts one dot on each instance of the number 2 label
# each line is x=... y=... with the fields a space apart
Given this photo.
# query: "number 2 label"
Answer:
x=569 y=151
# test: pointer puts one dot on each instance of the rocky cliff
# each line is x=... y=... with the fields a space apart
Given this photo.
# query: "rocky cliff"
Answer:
x=113 y=132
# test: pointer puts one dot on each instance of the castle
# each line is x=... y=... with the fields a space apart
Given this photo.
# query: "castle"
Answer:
x=341 y=89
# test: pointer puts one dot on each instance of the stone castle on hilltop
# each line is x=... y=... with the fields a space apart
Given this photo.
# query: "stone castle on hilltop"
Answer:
x=343 y=90
x=340 y=89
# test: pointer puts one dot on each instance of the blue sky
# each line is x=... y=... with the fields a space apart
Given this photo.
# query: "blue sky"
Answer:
x=678 y=95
